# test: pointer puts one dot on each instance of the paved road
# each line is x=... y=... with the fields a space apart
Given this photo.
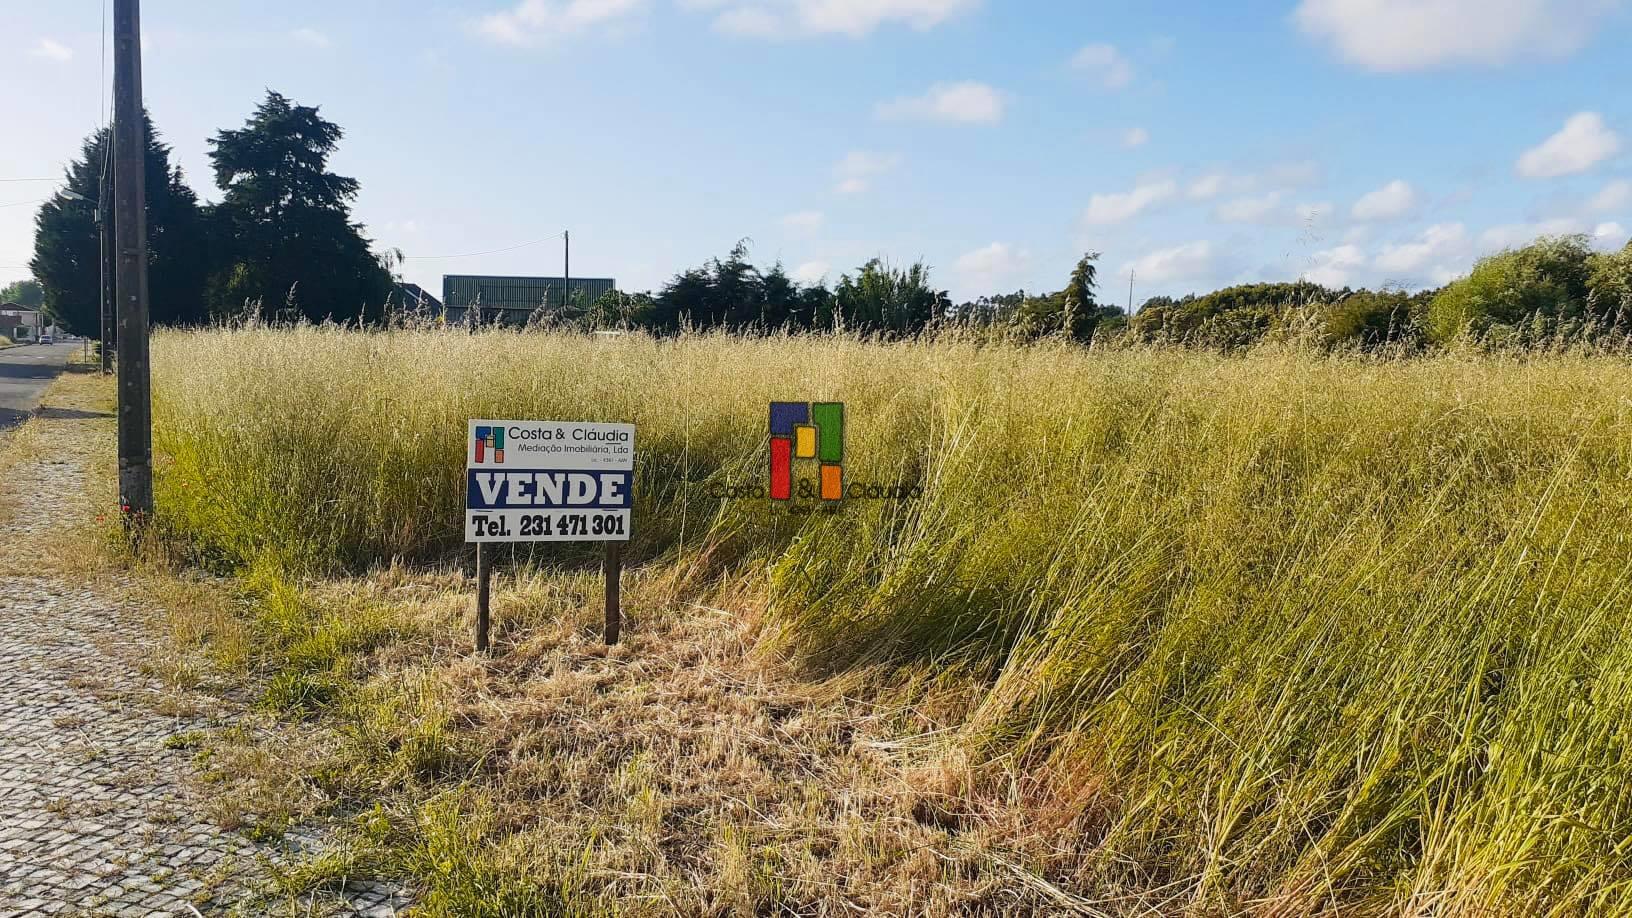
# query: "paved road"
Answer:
x=99 y=812
x=24 y=373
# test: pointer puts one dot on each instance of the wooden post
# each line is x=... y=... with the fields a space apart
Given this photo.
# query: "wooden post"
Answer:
x=484 y=578
x=614 y=605
x=130 y=238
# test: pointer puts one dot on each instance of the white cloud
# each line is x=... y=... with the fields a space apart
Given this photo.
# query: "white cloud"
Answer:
x=811 y=271
x=1335 y=267
x=1114 y=208
x=1192 y=261
x=750 y=22
x=1583 y=142
x=1278 y=176
x=1390 y=202
x=535 y=22
x=1105 y=64
x=1514 y=235
x=805 y=221
x=992 y=262
x=1249 y=210
x=858 y=169
x=961 y=103
x=1614 y=196
x=312 y=38
x=1292 y=174
x=1133 y=138
x=1208 y=186
x=1402 y=35
x=852 y=18
x=1431 y=251
x=52 y=50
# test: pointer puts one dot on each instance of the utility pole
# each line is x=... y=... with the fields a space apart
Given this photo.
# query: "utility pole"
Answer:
x=1131 y=275
x=130 y=239
x=566 y=270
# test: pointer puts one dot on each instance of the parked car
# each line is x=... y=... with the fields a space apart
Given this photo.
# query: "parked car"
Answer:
x=48 y=338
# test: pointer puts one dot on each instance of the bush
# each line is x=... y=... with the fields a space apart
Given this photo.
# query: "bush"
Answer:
x=1233 y=317
x=1373 y=318
x=1547 y=279
x=1611 y=283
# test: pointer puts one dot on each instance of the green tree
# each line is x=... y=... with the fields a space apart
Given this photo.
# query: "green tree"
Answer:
x=1071 y=312
x=1233 y=316
x=1375 y=317
x=67 y=246
x=780 y=297
x=889 y=300
x=1078 y=299
x=731 y=293
x=616 y=309
x=26 y=292
x=1547 y=280
x=1611 y=285
x=285 y=221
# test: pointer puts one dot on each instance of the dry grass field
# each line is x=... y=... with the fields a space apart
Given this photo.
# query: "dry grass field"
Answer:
x=1283 y=632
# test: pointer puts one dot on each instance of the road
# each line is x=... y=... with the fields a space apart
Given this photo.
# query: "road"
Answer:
x=24 y=373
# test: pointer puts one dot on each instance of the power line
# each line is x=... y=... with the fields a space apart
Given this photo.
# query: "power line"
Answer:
x=29 y=180
x=492 y=252
x=21 y=203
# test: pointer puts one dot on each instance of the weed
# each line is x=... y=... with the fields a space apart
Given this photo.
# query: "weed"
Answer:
x=1281 y=631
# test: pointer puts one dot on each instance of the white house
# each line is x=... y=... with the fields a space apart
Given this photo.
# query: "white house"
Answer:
x=20 y=323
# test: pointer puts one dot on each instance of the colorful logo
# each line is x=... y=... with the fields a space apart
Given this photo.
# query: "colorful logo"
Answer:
x=490 y=444
x=807 y=431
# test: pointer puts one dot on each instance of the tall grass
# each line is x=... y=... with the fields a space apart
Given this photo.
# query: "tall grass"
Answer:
x=1277 y=632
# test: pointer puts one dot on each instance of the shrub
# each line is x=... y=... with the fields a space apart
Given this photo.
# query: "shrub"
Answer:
x=1373 y=318
x=1233 y=317
x=1546 y=279
x=1611 y=283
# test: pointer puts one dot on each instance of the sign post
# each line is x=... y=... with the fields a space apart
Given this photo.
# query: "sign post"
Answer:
x=548 y=481
x=484 y=580
x=612 y=567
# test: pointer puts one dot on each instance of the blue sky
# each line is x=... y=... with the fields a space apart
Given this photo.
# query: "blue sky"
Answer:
x=1195 y=144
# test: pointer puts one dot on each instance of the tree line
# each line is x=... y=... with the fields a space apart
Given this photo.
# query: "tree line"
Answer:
x=1555 y=287
x=877 y=298
x=281 y=239
x=282 y=245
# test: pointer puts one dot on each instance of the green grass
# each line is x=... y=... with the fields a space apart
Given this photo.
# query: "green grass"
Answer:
x=1280 y=631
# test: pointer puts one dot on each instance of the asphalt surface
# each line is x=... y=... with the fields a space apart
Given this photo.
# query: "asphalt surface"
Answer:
x=25 y=371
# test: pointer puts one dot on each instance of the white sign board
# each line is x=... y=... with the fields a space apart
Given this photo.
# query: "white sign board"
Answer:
x=548 y=481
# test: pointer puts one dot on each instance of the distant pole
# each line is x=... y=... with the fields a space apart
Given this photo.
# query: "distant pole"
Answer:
x=130 y=238
x=1131 y=275
x=566 y=270
x=484 y=579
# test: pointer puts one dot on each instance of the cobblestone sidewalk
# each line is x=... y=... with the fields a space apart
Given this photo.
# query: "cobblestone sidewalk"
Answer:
x=95 y=815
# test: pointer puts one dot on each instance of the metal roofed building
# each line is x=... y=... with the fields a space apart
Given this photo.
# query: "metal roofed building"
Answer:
x=513 y=300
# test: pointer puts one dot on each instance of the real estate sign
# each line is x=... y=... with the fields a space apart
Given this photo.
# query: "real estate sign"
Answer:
x=548 y=481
